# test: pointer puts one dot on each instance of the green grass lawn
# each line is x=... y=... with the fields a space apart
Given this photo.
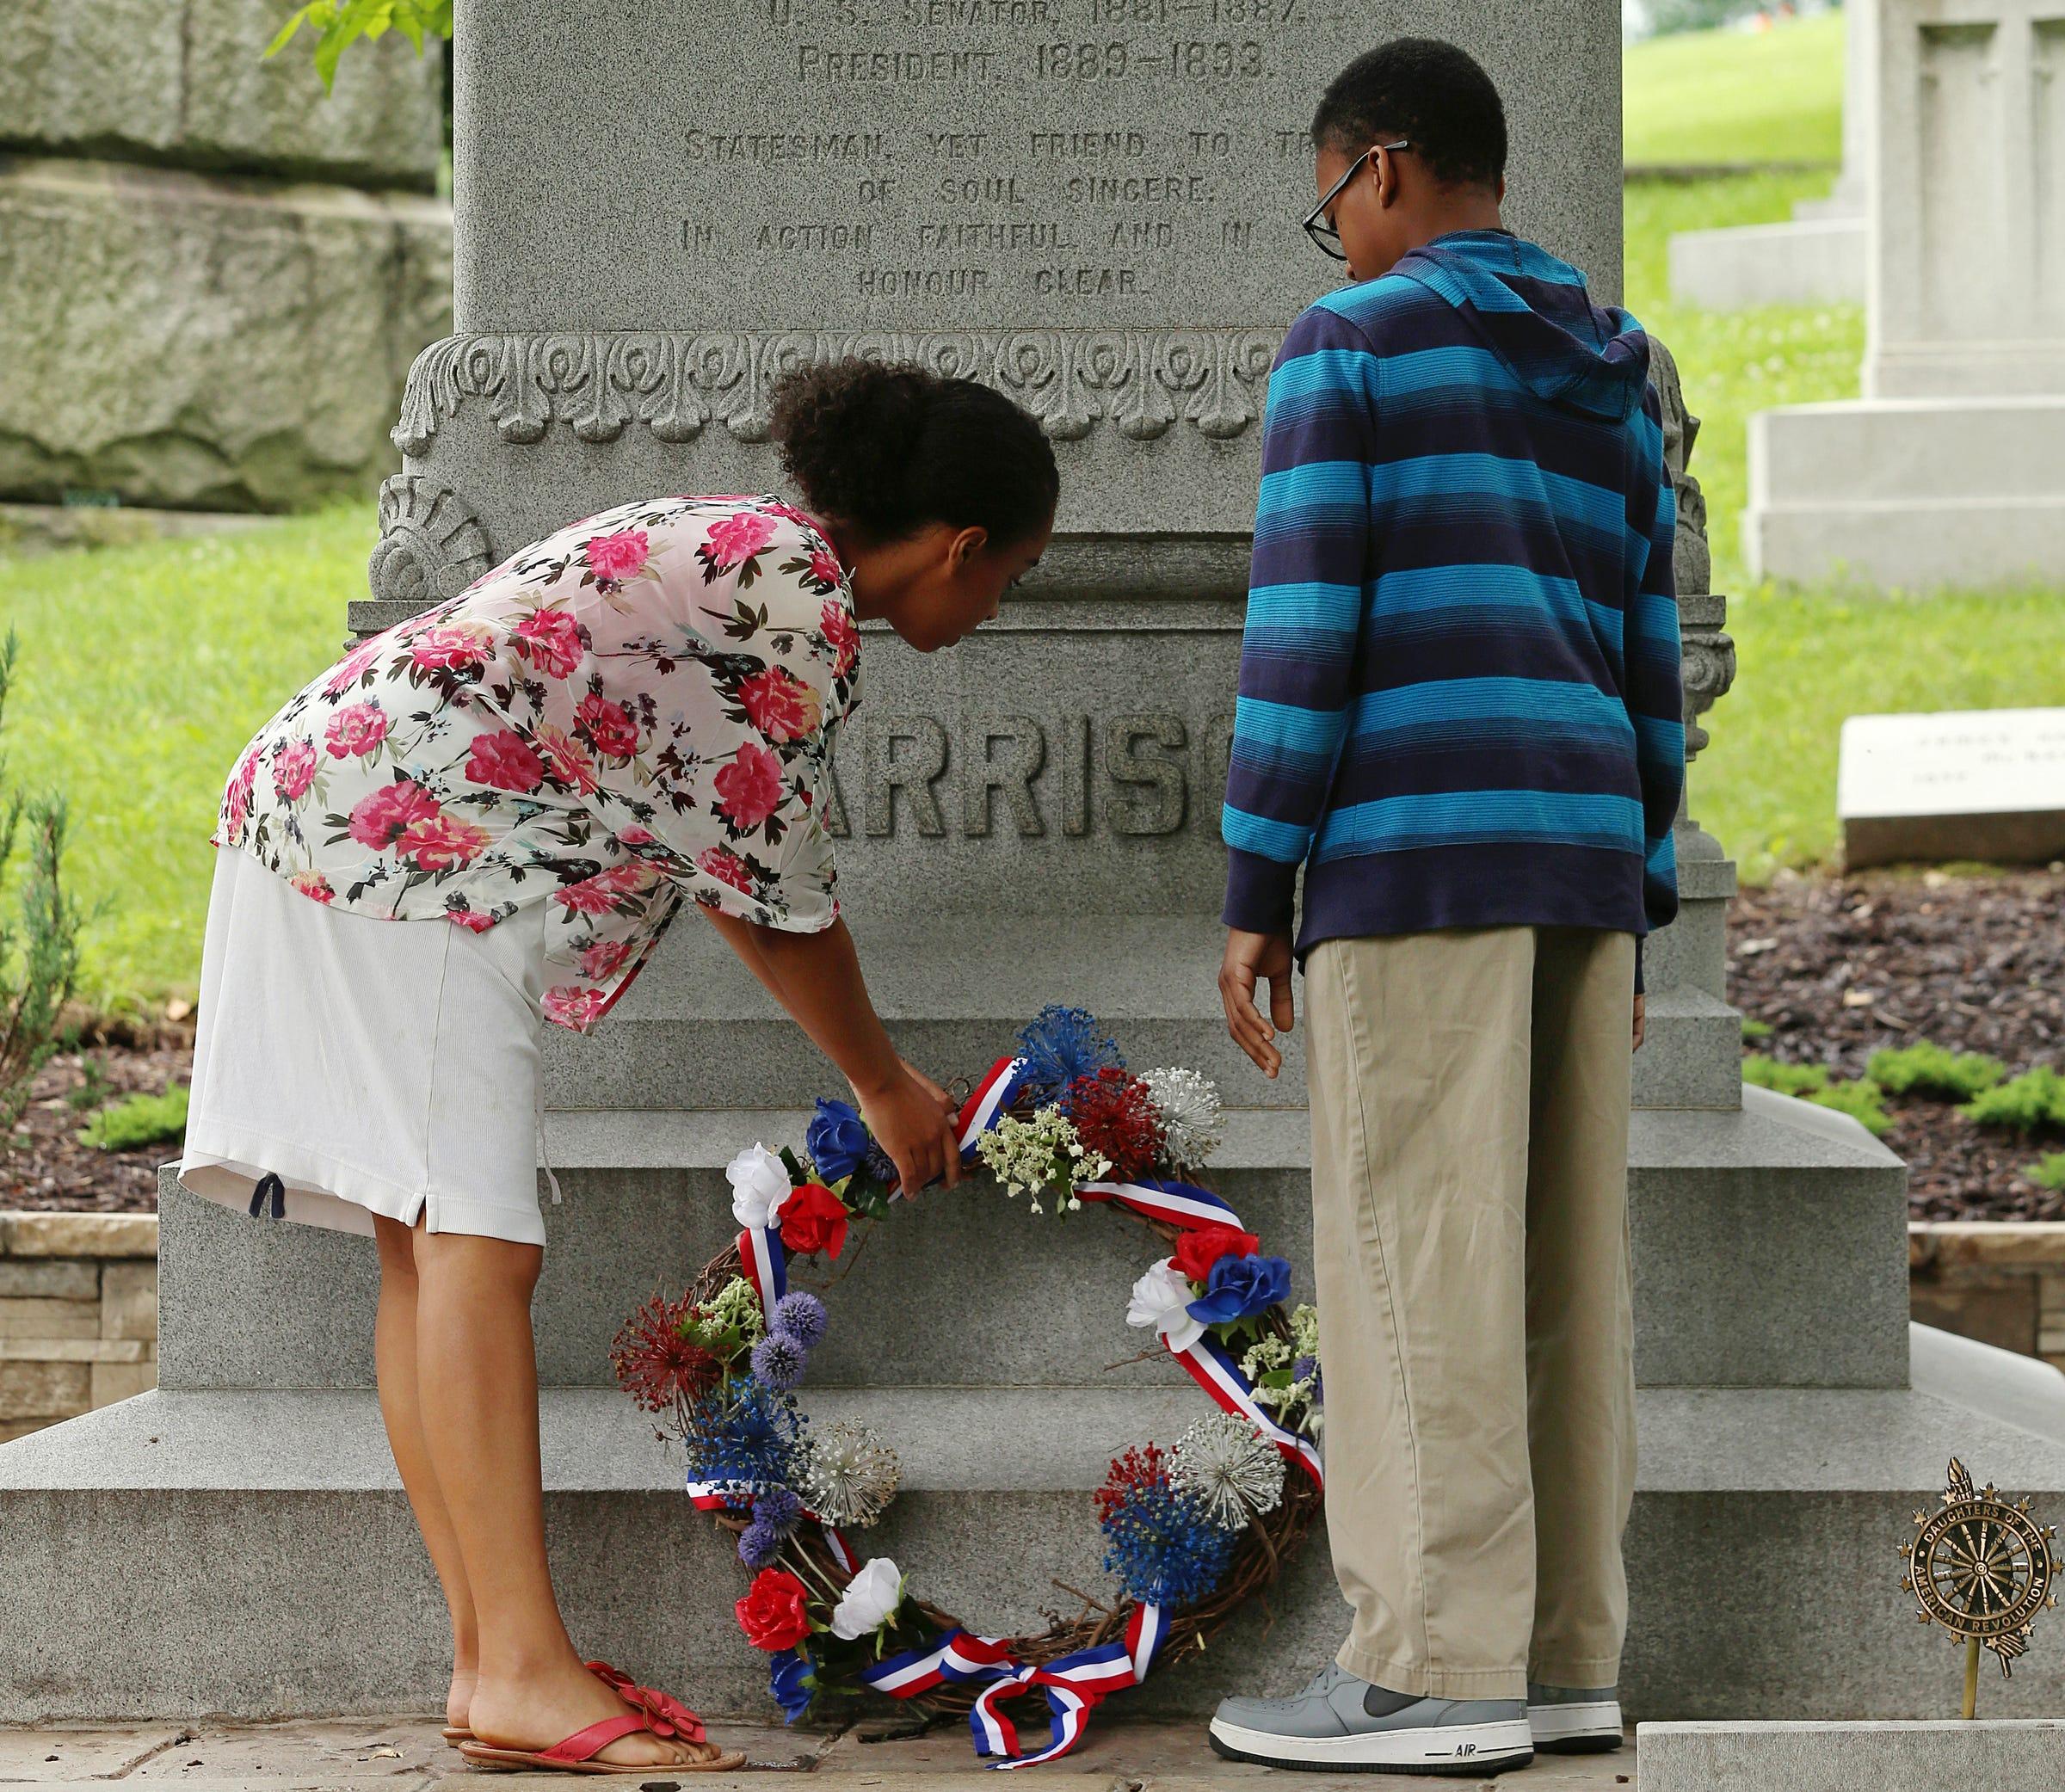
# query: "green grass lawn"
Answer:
x=143 y=671
x=1730 y=96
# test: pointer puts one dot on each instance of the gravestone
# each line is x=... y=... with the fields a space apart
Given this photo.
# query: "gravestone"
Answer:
x=1950 y=469
x=1093 y=206
x=1819 y=257
x=214 y=276
x=1978 y=783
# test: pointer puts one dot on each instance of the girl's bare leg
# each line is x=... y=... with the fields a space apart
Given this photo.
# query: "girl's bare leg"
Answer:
x=478 y=1383
x=394 y=1359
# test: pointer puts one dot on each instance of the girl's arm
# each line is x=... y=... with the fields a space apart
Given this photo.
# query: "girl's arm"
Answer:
x=817 y=978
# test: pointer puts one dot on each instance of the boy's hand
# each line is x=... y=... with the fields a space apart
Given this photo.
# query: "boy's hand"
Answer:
x=911 y=1125
x=1641 y=1020
x=1250 y=957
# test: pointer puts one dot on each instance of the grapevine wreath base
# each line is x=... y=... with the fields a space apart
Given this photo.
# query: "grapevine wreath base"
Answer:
x=1194 y=1533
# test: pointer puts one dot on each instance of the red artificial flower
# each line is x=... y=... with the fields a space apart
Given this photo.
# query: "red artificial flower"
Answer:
x=813 y=1219
x=775 y=1611
x=1196 y=1251
x=1145 y=1467
x=1114 y=1113
x=656 y=1362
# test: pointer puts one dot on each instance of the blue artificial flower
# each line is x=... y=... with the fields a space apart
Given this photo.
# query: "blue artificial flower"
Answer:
x=793 y=1679
x=759 y=1544
x=1061 y=1044
x=801 y=1315
x=779 y=1360
x=1165 y=1548
x=743 y=1431
x=779 y=1509
x=1240 y=1288
x=837 y=1140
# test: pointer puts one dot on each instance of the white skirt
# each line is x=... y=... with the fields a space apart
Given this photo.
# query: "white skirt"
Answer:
x=374 y=1067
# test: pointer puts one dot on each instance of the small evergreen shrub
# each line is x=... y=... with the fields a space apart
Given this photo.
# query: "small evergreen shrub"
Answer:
x=140 y=1120
x=1756 y=1029
x=1924 y=1068
x=2027 y=1103
x=2049 y=1172
x=1786 y=1079
x=1863 y=1100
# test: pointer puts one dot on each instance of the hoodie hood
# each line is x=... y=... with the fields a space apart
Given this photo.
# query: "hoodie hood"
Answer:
x=1534 y=313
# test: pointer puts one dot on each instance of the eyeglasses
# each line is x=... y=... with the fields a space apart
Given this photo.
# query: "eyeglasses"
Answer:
x=1315 y=222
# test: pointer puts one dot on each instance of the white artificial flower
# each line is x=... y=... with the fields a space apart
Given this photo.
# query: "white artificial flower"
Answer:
x=1192 y=1119
x=1162 y=1299
x=759 y=1184
x=870 y=1596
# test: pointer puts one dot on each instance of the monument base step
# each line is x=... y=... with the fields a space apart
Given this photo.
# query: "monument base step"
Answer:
x=1907 y=492
x=250 y=1553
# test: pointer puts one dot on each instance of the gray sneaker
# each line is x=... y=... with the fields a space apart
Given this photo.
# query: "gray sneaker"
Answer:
x=1571 y=1720
x=1341 y=1724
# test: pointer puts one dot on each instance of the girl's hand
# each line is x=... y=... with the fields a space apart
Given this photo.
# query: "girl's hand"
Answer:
x=947 y=1105
x=912 y=1126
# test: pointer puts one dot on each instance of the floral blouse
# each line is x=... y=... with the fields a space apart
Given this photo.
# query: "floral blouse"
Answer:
x=642 y=704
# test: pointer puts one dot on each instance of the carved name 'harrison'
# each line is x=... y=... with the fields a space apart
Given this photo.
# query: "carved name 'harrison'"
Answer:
x=1155 y=773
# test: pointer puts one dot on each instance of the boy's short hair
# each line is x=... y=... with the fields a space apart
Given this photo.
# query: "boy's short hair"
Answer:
x=1427 y=91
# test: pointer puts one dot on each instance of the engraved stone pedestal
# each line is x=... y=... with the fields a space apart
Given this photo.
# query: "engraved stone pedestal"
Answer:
x=1947 y=471
x=1029 y=818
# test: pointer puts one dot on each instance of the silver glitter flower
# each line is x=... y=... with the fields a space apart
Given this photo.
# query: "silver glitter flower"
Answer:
x=1229 y=1468
x=1191 y=1115
x=850 y=1475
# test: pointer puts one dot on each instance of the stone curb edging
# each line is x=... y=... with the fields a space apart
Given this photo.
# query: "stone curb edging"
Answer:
x=78 y=1234
x=2000 y=1280
x=78 y=1314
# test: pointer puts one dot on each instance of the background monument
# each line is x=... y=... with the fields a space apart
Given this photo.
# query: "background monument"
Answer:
x=1947 y=471
x=1095 y=207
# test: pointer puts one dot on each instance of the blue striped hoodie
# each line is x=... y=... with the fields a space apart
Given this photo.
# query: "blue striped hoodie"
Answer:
x=1459 y=694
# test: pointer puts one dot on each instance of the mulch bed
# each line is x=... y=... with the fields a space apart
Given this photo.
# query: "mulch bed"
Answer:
x=1841 y=967
x=1836 y=967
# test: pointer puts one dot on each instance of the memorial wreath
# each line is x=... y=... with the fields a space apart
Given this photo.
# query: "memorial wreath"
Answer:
x=1191 y=1533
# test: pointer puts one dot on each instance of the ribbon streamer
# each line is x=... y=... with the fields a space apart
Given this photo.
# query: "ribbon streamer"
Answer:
x=764 y=1261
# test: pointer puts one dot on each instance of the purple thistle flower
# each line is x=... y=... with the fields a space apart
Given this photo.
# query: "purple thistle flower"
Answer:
x=879 y=1163
x=801 y=1315
x=1307 y=1369
x=759 y=1544
x=779 y=1510
x=779 y=1360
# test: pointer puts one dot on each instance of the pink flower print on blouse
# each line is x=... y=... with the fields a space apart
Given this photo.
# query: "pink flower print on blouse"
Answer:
x=442 y=842
x=635 y=836
x=568 y=764
x=380 y=817
x=748 y=788
x=779 y=703
x=614 y=558
x=470 y=918
x=550 y=641
x=571 y=1006
x=608 y=726
x=237 y=799
x=591 y=896
x=354 y=665
x=295 y=768
x=840 y=636
x=727 y=867
x=604 y=959
x=355 y=732
x=451 y=646
x=737 y=539
x=312 y=884
x=504 y=762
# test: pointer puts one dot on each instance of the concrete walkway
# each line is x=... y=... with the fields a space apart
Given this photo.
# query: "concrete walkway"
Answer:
x=405 y=1754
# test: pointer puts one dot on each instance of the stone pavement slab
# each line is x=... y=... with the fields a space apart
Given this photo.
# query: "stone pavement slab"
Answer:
x=406 y=1754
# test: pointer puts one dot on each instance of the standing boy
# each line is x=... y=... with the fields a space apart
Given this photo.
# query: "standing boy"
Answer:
x=1459 y=711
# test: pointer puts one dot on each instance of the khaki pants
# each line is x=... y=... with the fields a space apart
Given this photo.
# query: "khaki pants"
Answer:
x=1470 y=1128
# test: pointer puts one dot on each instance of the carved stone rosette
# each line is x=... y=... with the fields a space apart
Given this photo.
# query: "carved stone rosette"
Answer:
x=1142 y=382
x=432 y=545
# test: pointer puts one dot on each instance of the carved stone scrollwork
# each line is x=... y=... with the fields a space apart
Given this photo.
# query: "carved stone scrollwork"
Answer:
x=432 y=545
x=1142 y=382
x=1708 y=664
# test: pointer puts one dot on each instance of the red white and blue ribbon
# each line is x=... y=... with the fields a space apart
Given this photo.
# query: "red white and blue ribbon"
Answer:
x=764 y=1262
x=1075 y=1685
x=993 y=1095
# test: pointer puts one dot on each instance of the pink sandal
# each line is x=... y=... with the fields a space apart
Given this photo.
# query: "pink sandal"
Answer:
x=576 y=1754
